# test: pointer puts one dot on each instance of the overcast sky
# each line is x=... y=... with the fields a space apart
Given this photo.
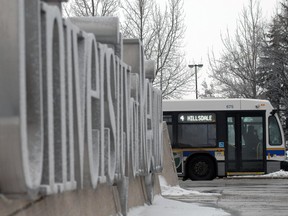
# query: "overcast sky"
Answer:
x=206 y=19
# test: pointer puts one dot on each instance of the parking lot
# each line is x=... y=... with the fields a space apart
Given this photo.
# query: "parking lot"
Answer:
x=240 y=197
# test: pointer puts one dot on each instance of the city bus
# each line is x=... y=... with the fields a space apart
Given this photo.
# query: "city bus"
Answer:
x=223 y=137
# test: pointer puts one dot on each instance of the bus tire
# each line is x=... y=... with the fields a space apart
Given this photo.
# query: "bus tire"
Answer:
x=201 y=167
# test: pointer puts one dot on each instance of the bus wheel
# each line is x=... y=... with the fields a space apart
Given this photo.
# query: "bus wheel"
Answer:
x=201 y=168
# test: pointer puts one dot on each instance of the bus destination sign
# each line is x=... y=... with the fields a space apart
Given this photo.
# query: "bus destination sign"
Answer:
x=197 y=117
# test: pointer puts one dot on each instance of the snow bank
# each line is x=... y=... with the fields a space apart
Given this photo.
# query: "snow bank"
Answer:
x=167 y=190
x=167 y=207
x=162 y=206
x=278 y=174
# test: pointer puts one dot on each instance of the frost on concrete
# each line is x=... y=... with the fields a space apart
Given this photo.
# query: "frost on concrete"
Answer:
x=21 y=132
x=76 y=110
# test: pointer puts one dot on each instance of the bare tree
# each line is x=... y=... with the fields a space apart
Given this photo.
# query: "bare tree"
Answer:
x=161 y=31
x=209 y=91
x=82 y=8
x=236 y=71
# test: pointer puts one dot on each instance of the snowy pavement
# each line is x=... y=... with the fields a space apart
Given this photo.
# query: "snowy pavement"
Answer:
x=168 y=207
x=279 y=174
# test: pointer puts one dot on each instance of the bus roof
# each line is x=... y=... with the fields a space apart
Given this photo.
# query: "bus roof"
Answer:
x=217 y=104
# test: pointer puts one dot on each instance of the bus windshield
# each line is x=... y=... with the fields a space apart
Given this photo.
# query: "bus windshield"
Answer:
x=274 y=131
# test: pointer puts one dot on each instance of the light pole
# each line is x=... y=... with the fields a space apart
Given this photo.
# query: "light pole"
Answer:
x=196 y=66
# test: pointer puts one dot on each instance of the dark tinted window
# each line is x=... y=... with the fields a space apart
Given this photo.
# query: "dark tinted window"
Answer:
x=197 y=130
x=274 y=131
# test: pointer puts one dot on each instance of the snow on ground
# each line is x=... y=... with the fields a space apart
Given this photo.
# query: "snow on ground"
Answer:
x=167 y=190
x=167 y=207
x=278 y=174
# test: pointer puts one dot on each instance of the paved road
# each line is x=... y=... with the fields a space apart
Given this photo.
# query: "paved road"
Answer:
x=241 y=197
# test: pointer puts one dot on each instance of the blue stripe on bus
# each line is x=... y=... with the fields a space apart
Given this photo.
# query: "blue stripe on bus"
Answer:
x=275 y=152
x=188 y=153
x=271 y=152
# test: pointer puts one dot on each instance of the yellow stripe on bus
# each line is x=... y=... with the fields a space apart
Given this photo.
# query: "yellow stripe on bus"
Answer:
x=244 y=173
x=275 y=149
x=198 y=149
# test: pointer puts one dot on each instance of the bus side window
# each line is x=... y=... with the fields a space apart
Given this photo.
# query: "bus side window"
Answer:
x=274 y=131
x=196 y=130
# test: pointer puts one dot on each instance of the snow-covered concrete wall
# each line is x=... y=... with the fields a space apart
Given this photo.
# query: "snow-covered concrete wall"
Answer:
x=78 y=108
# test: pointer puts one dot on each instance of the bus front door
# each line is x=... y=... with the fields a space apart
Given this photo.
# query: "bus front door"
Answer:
x=245 y=144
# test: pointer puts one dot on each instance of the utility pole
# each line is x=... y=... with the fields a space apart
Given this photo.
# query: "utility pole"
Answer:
x=196 y=66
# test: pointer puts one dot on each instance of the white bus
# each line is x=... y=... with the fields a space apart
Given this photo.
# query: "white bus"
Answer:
x=222 y=137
